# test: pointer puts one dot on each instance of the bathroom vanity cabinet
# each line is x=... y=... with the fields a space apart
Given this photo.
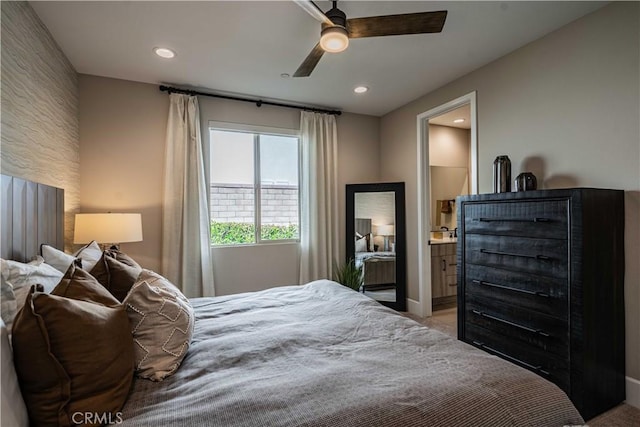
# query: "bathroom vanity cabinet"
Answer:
x=444 y=283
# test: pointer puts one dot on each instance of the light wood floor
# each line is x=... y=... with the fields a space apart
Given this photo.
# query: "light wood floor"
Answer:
x=621 y=416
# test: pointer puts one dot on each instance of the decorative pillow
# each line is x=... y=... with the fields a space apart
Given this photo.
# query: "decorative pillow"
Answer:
x=21 y=276
x=72 y=354
x=115 y=253
x=161 y=320
x=80 y=285
x=8 y=306
x=56 y=258
x=88 y=256
x=117 y=272
x=361 y=245
x=14 y=412
x=370 y=245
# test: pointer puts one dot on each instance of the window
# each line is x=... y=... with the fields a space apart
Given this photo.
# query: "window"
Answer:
x=254 y=184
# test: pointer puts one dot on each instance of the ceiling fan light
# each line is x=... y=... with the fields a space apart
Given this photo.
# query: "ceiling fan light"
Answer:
x=334 y=39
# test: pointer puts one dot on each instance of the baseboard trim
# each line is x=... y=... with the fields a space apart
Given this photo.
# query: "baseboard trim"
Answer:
x=633 y=392
x=414 y=307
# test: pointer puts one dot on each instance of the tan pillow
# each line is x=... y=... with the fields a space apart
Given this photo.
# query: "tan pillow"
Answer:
x=117 y=272
x=78 y=284
x=121 y=256
x=161 y=320
x=72 y=354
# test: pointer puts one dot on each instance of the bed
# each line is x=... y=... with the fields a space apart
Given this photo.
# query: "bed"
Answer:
x=378 y=267
x=321 y=354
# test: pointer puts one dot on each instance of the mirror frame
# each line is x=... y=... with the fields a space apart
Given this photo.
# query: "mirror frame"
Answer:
x=400 y=236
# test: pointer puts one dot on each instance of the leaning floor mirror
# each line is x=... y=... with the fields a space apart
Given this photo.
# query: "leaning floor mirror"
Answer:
x=376 y=240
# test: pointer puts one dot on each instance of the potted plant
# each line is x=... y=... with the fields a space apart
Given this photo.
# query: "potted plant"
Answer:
x=349 y=275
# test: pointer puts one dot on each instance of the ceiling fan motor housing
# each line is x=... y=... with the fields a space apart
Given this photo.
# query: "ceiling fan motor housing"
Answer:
x=336 y=16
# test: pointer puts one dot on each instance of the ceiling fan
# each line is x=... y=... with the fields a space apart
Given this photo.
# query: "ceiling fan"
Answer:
x=336 y=29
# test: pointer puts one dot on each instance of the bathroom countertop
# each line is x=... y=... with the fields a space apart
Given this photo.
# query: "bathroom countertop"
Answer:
x=443 y=241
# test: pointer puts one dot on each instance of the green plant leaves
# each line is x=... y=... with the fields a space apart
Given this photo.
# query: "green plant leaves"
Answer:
x=238 y=233
x=349 y=275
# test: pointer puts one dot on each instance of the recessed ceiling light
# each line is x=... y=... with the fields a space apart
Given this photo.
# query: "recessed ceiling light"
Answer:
x=285 y=75
x=163 y=52
x=360 y=89
x=458 y=121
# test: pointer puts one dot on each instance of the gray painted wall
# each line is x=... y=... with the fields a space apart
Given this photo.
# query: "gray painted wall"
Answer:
x=122 y=132
x=565 y=107
x=39 y=108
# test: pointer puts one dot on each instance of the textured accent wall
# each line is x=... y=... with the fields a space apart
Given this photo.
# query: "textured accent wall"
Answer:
x=39 y=108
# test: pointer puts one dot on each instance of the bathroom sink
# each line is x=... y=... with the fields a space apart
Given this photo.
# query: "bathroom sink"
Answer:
x=438 y=238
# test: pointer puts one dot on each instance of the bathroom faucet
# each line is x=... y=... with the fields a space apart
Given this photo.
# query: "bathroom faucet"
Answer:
x=444 y=228
x=455 y=232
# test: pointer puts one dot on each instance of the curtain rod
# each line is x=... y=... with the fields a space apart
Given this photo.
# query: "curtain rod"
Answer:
x=258 y=102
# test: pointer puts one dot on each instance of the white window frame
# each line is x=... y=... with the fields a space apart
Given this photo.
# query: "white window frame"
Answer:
x=257 y=183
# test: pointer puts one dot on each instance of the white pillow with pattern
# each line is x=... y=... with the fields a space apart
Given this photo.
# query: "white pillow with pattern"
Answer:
x=161 y=320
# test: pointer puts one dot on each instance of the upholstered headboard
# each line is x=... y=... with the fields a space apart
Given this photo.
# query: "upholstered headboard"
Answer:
x=30 y=214
x=363 y=226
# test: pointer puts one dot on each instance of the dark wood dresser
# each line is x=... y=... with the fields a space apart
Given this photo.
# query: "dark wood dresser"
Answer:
x=541 y=284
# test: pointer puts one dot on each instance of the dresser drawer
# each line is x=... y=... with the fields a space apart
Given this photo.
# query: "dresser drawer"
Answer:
x=548 y=295
x=554 y=369
x=542 y=218
x=516 y=324
x=544 y=257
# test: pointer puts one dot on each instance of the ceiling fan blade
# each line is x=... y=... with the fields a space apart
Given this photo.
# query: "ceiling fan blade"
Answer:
x=396 y=25
x=312 y=9
x=310 y=62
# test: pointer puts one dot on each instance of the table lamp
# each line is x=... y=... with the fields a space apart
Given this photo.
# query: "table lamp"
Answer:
x=108 y=229
x=386 y=231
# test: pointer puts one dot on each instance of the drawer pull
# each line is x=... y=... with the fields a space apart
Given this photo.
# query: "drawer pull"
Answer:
x=507 y=322
x=491 y=252
x=511 y=358
x=512 y=219
x=453 y=284
x=509 y=288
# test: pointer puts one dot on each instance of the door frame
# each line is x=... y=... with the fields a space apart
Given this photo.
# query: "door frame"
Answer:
x=424 y=189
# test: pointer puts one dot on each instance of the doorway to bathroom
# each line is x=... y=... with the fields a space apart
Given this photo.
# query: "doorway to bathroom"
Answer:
x=447 y=167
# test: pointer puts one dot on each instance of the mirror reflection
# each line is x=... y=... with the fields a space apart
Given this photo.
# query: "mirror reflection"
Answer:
x=447 y=183
x=375 y=240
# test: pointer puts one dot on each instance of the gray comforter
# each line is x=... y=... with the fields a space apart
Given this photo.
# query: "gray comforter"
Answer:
x=324 y=355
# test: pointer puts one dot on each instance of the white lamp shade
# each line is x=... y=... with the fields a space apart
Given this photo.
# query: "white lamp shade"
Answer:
x=108 y=228
x=385 y=230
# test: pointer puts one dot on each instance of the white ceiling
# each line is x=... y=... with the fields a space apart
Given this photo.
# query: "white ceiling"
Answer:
x=446 y=119
x=243 y=47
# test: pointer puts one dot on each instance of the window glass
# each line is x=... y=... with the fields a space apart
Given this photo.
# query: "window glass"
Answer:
x=232 y=192
x=279 y=213
x=254 y=187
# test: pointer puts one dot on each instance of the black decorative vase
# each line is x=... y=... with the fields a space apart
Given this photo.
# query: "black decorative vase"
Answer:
x=502 y=174
x=526 y=181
